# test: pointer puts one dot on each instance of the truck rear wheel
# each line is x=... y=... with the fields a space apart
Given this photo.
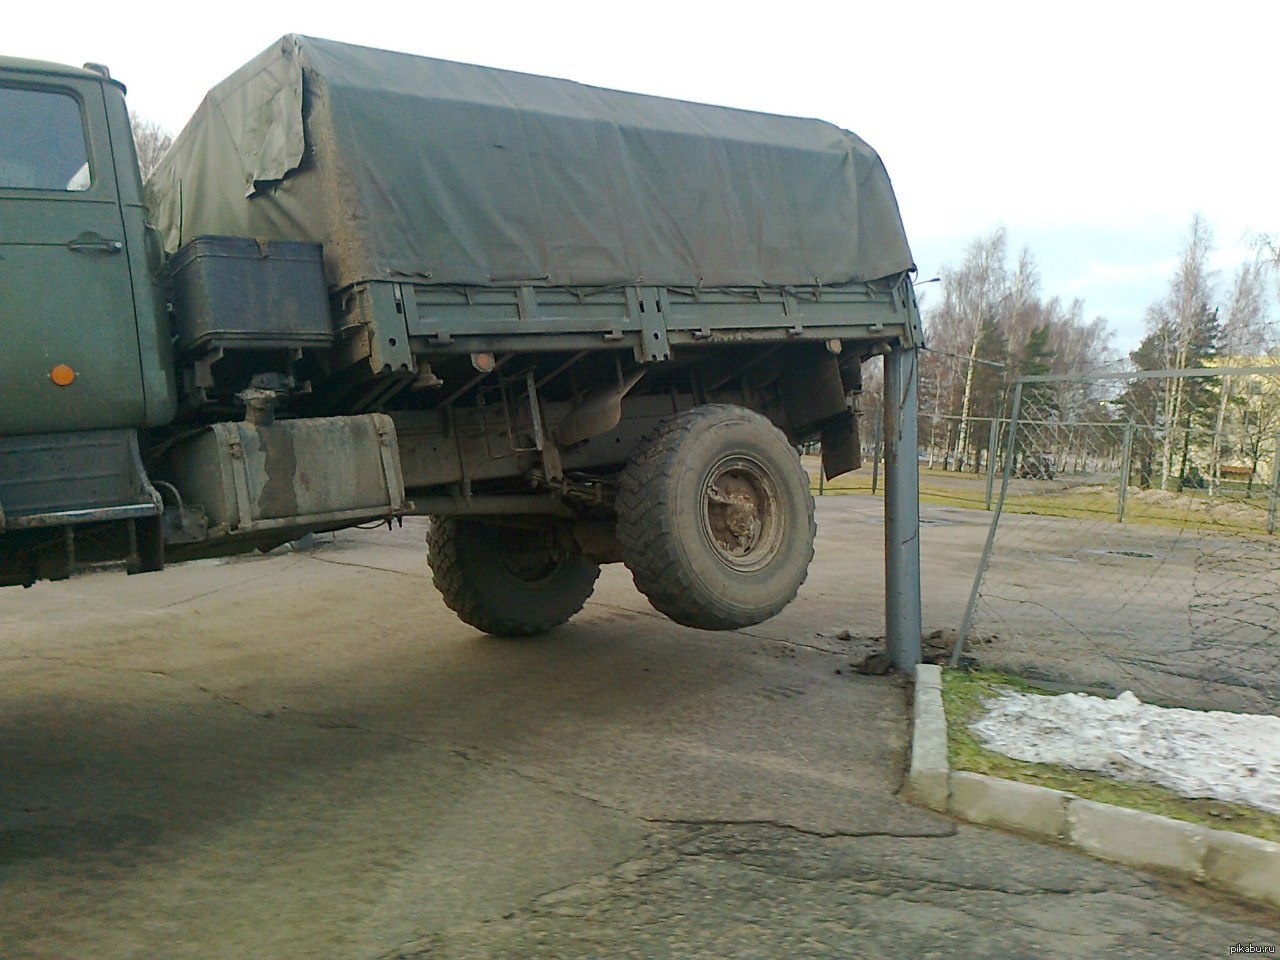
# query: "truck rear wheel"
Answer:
x=715 y=518
x=506 y=581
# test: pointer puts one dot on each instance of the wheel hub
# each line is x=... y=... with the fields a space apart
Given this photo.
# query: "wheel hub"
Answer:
x=531 y=562
x=740 y=513
x=736 y=523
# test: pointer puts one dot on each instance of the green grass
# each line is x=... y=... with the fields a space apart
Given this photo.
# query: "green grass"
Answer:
x=963 y=695
x=948 y=488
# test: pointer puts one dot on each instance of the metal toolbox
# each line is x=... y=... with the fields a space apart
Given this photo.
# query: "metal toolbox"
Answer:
x=241 y=293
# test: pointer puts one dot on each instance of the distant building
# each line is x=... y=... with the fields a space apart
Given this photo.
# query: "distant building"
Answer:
x=1237 y=443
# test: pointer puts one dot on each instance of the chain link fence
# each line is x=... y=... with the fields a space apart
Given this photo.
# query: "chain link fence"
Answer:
x=1133 y=540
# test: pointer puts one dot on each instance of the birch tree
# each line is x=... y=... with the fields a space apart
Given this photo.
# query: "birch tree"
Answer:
x=1242 y=342
x=1182 y=317
x=981 y=334
x=972 y=294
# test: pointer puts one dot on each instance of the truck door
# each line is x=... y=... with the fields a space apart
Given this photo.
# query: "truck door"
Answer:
x=68 y=332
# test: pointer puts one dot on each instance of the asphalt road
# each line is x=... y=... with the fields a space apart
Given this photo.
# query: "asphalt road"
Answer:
x=304 y=755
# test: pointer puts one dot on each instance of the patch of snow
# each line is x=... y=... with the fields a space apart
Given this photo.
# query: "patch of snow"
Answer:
x=1224 y=756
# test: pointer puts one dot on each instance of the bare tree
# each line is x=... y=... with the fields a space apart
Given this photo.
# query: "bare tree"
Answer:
x=1245 y=327
x=1243 y=339
x=1268 y=247
x=1022 y=302
x=1183 y=311
x=150 y=140
x=975 y=293
x=993 y=326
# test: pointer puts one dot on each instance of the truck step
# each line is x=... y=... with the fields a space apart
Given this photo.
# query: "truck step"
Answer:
x=88 y=476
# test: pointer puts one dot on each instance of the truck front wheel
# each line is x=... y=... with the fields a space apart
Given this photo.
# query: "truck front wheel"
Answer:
x=715 y=518
x=507 y=581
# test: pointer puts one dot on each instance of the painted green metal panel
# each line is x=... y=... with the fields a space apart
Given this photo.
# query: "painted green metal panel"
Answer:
x=610 y=315
x=66 y=288
x=145 y=250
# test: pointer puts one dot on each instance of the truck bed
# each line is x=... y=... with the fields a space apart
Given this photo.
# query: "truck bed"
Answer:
x=652 y=321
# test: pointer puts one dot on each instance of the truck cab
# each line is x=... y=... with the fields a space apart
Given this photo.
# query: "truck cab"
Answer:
x=77 y=265
x=84 y=346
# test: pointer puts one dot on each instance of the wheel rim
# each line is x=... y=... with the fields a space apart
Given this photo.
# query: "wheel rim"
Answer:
x=742 y=516
x=532 y=566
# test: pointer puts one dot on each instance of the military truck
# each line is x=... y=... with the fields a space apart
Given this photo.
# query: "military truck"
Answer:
x=571 y=325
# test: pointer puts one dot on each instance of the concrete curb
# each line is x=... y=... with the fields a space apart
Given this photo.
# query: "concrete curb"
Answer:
x=1241 y=864
x=929 y=771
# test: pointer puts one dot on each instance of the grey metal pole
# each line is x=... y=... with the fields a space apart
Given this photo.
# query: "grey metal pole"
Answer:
x=991 y=457
x=901 y=509
x=1275 y=487
x=1010 y=449
x=876 y=452
x=1125 y=456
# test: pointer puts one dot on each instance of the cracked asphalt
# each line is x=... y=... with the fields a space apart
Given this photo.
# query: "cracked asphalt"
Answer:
x=304 y=755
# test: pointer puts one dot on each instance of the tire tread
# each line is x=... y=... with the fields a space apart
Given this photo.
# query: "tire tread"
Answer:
x=448 y=557
x=646 y=516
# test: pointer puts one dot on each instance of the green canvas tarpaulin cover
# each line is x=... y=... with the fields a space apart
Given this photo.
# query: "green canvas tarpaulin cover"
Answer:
x=409 y=168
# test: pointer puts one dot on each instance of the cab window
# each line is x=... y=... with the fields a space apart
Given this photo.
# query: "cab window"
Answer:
x=42 y=143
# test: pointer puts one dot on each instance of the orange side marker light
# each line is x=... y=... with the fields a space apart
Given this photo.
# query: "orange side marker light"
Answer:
x=62 y=375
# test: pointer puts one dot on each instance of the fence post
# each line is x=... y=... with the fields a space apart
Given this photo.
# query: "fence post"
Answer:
x=876 y=453
x=1275 y=487
x=1125 y=454
x=1010 y=450
x=901 y=509
x=991 y=457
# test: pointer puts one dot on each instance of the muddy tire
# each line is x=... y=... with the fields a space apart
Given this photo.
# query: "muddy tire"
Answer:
x=506 y=581
x=715 y=518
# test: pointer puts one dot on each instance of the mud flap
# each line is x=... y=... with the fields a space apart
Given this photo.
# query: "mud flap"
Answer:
x=841 y=446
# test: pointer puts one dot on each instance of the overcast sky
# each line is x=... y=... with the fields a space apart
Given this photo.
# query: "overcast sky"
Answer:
x=1092 y=131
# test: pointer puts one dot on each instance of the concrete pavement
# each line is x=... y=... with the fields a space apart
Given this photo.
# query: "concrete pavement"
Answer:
x=305 y=755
